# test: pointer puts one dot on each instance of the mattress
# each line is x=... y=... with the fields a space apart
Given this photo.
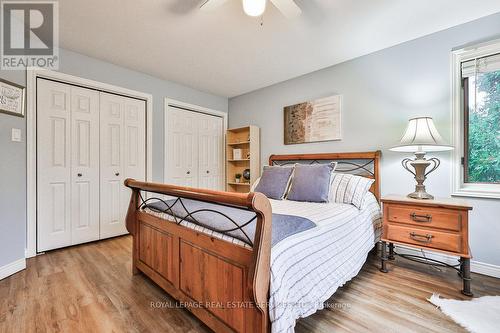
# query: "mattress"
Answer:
x=236 y=222
x=308 y=267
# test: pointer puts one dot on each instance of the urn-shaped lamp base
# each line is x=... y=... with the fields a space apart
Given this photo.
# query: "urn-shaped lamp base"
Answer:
x=420 y=165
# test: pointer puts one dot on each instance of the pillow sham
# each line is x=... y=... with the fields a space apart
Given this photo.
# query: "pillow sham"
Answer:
x=311 y=182
x=274 y=181
x=254 y=185
x=349 y=189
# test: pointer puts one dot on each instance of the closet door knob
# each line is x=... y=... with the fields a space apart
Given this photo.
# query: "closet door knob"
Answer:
x=208 y=171
x=79 y=175
x=117 y=174
x=189 y=172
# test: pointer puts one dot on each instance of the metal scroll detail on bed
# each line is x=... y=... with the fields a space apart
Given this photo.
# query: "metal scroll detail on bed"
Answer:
x=224 y=284
x=232 y=221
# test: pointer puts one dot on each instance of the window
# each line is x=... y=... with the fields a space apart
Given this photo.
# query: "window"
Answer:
x=481 y=101
x=476 y=117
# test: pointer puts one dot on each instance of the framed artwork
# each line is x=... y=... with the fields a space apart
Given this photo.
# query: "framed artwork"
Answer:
x=11 y=98
x=313 y=121
x=237 y=154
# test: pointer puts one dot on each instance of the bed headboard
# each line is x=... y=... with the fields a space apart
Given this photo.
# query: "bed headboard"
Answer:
x=364 y=164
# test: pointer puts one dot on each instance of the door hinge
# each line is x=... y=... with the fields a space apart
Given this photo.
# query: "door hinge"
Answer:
x=462 y=160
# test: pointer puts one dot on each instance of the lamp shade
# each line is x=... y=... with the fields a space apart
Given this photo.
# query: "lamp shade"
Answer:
x=421 y=135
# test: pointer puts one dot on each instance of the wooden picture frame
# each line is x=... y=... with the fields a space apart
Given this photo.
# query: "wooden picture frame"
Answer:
x=317 y=120
x=12 y=98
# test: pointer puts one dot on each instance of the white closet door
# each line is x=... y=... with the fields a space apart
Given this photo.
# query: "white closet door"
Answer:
x=85 y=165
x=134 y=146
x=53 y=165
x=123 y=155
x=111 y=166
x=181 y=157
x=211 y=152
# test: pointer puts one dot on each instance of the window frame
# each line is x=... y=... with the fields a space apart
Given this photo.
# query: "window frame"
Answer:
x=459 y=114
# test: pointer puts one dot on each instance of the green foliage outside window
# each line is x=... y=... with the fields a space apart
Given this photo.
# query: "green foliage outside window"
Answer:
x=484 y=130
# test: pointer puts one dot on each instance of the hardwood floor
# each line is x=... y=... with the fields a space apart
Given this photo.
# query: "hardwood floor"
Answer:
x=90 y=288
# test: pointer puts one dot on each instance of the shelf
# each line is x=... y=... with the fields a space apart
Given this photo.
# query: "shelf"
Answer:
x=239 y=129
x=240 y=160
x=246 y=140
x=238 y=143
x=239 y=184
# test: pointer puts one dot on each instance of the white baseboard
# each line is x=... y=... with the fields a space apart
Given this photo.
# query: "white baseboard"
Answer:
x=485 y=269
x=29 y=253
x=12 y=268
x=475 y=266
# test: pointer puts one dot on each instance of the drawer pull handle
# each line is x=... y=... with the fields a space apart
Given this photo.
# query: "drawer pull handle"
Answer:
x=421 y=238
x=421 y=218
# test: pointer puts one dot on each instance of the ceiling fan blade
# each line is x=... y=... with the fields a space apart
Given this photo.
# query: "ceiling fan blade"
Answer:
x=211 y=4
x=287 y=7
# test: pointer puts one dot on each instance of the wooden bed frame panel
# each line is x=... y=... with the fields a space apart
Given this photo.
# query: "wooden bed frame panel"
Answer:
x=224 y=284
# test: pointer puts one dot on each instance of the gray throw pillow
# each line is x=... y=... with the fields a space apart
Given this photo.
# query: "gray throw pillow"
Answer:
x=311 y=183
x=274 y=181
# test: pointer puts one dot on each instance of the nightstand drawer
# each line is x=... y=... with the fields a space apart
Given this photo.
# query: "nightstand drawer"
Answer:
x=425 y=217
x=425 y=238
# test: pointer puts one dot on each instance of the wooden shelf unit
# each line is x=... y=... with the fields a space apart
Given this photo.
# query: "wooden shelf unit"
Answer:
x=248 y=140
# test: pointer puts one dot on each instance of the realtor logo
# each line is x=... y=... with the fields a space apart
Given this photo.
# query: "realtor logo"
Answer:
x=30 y=34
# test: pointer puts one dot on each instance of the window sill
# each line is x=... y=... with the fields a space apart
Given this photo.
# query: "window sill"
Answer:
x=478 y=191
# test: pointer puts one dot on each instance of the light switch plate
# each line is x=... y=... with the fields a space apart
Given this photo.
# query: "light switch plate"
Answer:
x=16 y=135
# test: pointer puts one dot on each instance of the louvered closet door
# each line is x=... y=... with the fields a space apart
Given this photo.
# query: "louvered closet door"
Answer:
x=123 y=155
x=211 y=152
x=53 y=165
x=181 y=157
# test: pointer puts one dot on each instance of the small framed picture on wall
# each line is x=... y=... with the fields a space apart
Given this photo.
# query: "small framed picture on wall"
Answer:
x=11 y=98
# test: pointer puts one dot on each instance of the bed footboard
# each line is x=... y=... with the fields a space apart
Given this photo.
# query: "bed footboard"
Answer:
x=225 y=285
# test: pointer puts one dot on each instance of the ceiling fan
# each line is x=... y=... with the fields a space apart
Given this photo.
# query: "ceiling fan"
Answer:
x=257 y=7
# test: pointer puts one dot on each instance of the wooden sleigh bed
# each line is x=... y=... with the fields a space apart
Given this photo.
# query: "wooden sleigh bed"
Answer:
x=224 y=284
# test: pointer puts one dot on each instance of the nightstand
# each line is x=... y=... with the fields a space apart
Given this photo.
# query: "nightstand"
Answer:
x=439 y=225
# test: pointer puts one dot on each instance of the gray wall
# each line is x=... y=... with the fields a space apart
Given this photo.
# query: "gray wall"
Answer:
x=380 y=92
x=13 y=155
x=12 y=184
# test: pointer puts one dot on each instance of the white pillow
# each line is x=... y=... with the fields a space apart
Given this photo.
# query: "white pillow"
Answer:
x=349 y=189
x=254 y=185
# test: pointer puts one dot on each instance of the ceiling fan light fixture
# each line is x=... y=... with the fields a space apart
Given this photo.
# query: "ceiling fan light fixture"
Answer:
x=254 y=7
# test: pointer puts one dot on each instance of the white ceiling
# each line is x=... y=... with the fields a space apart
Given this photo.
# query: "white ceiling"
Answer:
x=227 y=53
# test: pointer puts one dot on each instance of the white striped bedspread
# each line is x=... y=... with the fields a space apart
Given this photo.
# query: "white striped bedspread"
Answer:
x=307 y=268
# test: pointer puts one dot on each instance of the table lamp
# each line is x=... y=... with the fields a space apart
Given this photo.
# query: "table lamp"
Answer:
x=420 y=137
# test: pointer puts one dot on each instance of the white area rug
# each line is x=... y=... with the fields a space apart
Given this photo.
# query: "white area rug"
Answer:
x=479 y=315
